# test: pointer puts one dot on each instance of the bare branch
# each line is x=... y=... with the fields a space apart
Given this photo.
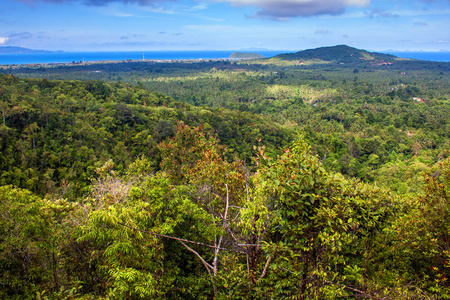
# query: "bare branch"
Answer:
x=207 y=266
x=237 y=215
x=225 y=217
x=235 y=206
x=216 y=256
x=246 y=181
x=205 y=263
x=226 y=208
x=178 y=239
x=266 y=267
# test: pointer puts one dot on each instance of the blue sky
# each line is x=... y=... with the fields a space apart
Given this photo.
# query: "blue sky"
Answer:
x=145 y=25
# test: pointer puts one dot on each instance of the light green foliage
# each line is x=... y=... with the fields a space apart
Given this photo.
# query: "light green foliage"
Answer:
x=131 y=258
x=135 y=260
x=32 y=232
x=54 y=134
x=417 y=242
x=290 y=229
x=159 y=208
x=320 y=221
x=23 y=235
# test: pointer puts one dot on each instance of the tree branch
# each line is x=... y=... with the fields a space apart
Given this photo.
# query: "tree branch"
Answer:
x=266 y=267
x=178 y=239
x=205 y=263
x=207 y=266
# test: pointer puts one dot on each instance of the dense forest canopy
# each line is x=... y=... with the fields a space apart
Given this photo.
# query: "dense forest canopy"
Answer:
x=322 y=174
x=55 y=133
x=382 y=123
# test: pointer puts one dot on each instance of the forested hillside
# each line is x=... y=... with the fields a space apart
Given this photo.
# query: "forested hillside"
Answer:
x=340 y=54
x=55 y=133
x=379 y=123
x=264 y=179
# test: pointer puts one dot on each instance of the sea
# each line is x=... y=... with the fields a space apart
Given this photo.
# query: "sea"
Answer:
x=73 y=57
x=430 y=56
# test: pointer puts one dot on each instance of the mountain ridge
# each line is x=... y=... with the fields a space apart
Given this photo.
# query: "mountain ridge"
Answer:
x=22 y=50
x=338 y=54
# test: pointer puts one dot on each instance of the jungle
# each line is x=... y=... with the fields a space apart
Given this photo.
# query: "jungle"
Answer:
x=322 y=174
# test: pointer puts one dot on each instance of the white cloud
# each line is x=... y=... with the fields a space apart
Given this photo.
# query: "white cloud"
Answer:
x=3 y=40
x=160 y=10
x=199 y=7
x=282 y=9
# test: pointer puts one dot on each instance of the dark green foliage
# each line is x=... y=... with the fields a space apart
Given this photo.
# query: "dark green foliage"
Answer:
x=245 y=55
x=337 y=54
x=289 y=230
x=166 y=202
x=57 y=132
x=33 y=232
x=370 y=124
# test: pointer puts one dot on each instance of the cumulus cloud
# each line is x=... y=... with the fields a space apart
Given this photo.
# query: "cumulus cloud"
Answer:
x=14 y=38
x=274 y=9
x=283 y=9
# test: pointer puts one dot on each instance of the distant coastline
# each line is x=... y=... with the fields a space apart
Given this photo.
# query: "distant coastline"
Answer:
x=21 y=50
x=85 y=57
x=430 y=56
x=48 y=57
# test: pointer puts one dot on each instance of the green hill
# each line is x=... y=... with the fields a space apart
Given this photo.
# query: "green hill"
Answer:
x=338 y=54
x=246 y=55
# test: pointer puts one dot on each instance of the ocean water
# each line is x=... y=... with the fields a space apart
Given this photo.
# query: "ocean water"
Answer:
x=431 y=56
x=68 y=57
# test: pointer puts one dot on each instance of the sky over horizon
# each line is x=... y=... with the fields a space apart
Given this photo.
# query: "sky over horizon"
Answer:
x=292 y=25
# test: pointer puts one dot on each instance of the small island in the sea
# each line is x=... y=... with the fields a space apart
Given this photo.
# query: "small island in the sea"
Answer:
x=21 y=50
x=245 y=55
